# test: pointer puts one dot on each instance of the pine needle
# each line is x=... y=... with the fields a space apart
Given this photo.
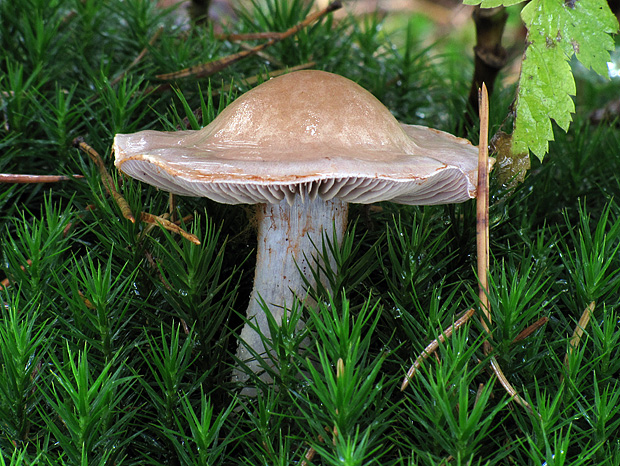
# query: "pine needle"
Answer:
x=140 y=56
x=432 y=347
x=11 y=178
x=168 y=225
x=531 y=329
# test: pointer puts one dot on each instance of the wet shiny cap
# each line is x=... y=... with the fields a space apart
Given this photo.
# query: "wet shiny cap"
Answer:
x=308 y=133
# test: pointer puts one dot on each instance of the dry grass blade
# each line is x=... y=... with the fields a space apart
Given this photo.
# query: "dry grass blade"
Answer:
x=6 y=282
x=27 y=179
x=168 y=225
x=482 y=240
x=478 y=393
x=579 y=329
x=207 y=69
x=108 y=182
x=432 y=347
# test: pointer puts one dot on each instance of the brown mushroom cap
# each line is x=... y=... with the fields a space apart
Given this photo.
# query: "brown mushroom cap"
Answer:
x=307 y=132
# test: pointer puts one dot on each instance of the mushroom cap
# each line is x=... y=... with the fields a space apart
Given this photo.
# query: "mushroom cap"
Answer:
x=310 y=133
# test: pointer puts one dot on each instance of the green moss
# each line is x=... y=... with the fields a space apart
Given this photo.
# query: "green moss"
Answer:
x=117 y=338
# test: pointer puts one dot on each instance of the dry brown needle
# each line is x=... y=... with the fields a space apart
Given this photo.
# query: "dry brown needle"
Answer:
x=108 y=182
x=207 y=69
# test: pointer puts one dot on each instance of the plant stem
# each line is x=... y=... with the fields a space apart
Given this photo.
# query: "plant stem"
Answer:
x=490 y=55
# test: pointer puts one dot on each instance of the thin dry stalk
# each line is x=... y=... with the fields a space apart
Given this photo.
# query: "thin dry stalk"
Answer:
x=154 y=266
x=447 y=460
x=108 y=183
x=139 y=58
x=207 y=69
x=11 y=178
x=172 y=206
x=432 y=347
x=482 y=241
x=482 y=212
x=311 y=452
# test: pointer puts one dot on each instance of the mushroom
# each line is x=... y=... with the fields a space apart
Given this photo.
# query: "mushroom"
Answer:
x=302 y=146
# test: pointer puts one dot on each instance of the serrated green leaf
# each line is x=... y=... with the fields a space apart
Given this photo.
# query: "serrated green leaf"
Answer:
x=557 y=31
x=591 y=23
x=544 y=93
x=492 y=3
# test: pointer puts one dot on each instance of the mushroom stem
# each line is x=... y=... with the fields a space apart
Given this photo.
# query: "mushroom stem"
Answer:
x=285 y=255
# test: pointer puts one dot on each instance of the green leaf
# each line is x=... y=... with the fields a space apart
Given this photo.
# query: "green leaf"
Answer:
x=557 y=31
x=544 y=92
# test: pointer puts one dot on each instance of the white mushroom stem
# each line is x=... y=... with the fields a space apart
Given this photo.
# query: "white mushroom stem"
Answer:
x=285 y=251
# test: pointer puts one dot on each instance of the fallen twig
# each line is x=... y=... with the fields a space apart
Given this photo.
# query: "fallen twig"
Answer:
x=207 y=69
x=264 y=55
x=508 y=386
